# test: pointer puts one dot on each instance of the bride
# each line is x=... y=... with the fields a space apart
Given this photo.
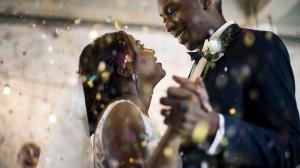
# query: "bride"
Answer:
x=118 y=76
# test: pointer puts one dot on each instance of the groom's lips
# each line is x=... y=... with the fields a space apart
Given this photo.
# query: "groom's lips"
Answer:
x=180 y=36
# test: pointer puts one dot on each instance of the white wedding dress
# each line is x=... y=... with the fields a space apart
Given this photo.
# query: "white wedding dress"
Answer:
x=152 y=135
x=70 y=145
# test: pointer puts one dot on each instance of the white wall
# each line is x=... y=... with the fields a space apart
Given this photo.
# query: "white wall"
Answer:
x=37 y=76
x=37 y=62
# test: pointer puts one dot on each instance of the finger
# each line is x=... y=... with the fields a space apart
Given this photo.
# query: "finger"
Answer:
x=196 y=87
x=168 y=101
x=207 y=107
x=179 y=92
x=180 y=80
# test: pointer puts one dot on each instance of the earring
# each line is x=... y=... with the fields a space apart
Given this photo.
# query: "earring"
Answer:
x=134 y=77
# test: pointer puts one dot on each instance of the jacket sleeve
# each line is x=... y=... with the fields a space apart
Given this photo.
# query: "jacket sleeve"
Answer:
x=272 y=139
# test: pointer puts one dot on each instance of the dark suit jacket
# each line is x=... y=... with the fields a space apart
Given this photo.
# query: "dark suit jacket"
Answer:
x=253 y=87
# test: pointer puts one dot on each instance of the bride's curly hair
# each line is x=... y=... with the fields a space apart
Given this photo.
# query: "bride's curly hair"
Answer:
x=98 y=65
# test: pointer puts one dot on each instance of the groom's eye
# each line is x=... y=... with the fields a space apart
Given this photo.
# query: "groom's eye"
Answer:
x=172 y=11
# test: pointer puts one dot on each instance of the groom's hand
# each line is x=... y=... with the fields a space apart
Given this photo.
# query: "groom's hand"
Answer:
x=188 y=106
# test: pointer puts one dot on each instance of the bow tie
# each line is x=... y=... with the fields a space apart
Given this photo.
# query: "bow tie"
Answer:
x=195 y=56
x=227 y=36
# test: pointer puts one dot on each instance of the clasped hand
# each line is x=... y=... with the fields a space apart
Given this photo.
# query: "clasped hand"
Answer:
x=188 y=106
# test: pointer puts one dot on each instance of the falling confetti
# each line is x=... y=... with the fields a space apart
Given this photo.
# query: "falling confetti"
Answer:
x=101 y=66
x=117 y=25
x=269 y=36
x=105 y=76
x=232 y=111
x=144 y=143
x=145 y=29
x=98 y=96
x=109 y=19
x=121 y=3
x=93 y=34
x=253 y=94
x=249 y=39
x=131 y=160
x=90 y=83
x=225 y=69
x=168 y=152
x=50 y=49
x=200 y=132
x=77 y=21
x=52 y=119
x=6 y=90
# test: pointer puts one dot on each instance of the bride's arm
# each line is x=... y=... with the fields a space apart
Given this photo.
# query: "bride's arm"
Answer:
x=124 y=141
x=123 y=136
x=166 y=153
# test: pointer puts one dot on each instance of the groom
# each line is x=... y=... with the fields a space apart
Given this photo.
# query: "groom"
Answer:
x=250 y=118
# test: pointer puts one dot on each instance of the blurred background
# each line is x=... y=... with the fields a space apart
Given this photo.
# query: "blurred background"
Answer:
x=41 y=40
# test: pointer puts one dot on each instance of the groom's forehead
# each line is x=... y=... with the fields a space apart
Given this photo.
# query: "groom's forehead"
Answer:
x=162 y=4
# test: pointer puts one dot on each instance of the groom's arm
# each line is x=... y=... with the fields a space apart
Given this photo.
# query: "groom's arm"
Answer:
x=272 y=138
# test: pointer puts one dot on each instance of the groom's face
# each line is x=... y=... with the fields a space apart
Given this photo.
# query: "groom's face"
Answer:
x=186 y=20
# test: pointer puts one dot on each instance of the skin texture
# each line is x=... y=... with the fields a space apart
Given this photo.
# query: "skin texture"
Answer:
x=197 y=19
x=124 y=126
x=194 y=18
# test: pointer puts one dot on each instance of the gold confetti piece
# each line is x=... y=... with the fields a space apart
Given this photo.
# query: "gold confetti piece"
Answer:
x=77 y=21
x=121 y=3
x=253 y=94
x=224 y=142
x=105 y=76
x=117 y=25
x=232 y=111
x=200 y=132
x=144 y=143
x=98 y=96
x=269 y=36
x=50 y=49
x=46 y=141
x=101 y=66
x=168 y=151
x=145 y=29
x=90 y=83
x=131 y=160
x=249 y=39
x=93 y=34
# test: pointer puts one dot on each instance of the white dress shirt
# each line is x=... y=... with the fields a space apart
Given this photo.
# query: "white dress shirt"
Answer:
x=215 y=146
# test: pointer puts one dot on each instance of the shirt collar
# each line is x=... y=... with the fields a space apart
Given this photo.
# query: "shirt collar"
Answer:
x=196 y=55
x=219 y=32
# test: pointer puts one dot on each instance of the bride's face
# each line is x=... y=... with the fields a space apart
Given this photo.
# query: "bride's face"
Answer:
x=146 y=66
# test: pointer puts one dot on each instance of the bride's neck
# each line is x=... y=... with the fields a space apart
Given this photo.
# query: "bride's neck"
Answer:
x=137 y=101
